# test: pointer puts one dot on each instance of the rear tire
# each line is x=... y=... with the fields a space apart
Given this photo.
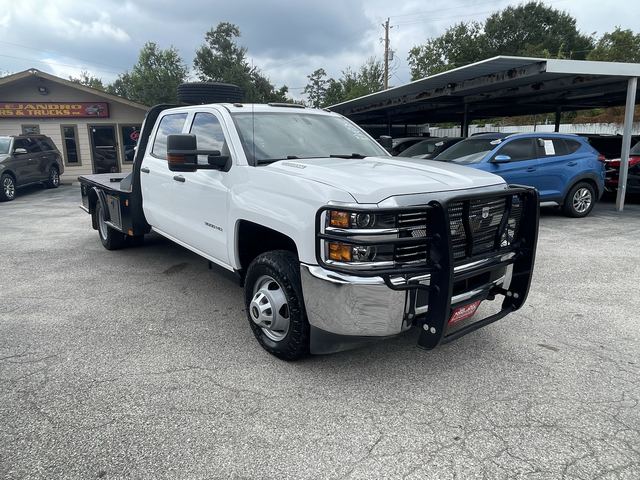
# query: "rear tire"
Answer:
x=580 y=200
x=54 y=178
x=111 y=239
x=275 y=305
x=7 y=188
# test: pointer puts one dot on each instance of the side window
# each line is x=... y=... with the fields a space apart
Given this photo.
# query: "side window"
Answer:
x=169 y=125
x=572 y=146
x=552 y=147
x=29 y=144
x=519 y=149
x=46 y=145
x=208 y=131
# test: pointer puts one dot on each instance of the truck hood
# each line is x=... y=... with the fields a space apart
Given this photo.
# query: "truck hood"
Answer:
x=373 y=179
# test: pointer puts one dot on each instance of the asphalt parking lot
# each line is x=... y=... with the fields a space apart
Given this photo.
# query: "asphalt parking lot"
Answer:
x=140 y=363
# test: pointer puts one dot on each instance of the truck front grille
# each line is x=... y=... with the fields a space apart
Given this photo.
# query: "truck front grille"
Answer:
x=474 y=225
x=412 y=225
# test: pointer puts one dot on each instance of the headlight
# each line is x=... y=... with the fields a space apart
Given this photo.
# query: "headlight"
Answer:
x=362 y=239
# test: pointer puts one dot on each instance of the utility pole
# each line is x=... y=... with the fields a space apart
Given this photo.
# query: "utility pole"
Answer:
x=386 y=53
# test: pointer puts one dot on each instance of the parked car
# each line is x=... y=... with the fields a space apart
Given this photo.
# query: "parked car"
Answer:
x=399 y=145
x=608 y=145
x=25 y=160
x=335 y=242
x=633 y=176
x=431 y=147
x=564 y=168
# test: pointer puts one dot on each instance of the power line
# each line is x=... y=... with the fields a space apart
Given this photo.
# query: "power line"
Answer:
x=48 y=62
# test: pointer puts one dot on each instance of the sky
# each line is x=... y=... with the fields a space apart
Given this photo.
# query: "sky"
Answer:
x=286 y=39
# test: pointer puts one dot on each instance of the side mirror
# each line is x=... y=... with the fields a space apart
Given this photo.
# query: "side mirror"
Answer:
x=20 y=151
x=182 y=155
x=501 y=159
x=386 y=141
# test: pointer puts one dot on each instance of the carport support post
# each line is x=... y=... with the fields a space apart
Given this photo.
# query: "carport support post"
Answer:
x=464 y=128
x=632 y=85
x=556 y=127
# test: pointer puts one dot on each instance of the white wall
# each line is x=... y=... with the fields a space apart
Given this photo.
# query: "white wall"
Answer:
x=602 y=128
x=27 y=91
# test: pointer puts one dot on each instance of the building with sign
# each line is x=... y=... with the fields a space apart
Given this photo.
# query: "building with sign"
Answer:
x=95 y=131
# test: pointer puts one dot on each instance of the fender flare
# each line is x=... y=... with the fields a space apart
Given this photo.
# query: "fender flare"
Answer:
x=581 y=177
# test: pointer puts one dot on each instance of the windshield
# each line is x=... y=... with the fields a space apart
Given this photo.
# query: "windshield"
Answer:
x=4 y=144
x=278 y=136
x=471 y=150
x=634 y=151
x=424 y=147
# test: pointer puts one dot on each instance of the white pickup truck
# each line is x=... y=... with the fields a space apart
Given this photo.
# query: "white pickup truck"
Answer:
x=336 y=242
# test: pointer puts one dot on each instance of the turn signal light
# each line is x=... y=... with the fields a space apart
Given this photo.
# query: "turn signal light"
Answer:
x=339 y=219
x=339 y=252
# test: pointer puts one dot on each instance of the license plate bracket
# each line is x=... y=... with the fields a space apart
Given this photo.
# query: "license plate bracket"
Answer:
x=458 y=314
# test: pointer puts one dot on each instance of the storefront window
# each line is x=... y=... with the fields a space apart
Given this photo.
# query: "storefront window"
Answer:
x=70 y=143
x=130 y=134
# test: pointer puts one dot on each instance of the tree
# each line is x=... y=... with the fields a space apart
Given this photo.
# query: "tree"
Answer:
x=461 y=44
x=322 y=91
x=316 y=88
x=154 y=78
x=88 y=80
x=221 y=59
x=534 y=29
x=617 y=46
x=531 y=29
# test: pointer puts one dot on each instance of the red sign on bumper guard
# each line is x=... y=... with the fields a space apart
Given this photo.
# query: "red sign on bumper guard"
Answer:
x=464 y=312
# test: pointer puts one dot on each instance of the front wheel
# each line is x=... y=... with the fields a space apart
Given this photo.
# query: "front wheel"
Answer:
x=7 y=188
x=111 y=239
x=580 y=200
x=54 y=178
x=275 y=306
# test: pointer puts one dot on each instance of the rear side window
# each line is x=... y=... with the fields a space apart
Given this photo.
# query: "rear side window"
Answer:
x=46 y=144
x=519 y=149
x=552 y=147
x=572 y=146
x=169 y=125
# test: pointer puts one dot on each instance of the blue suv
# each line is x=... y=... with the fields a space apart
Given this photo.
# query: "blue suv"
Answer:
x=564 y=168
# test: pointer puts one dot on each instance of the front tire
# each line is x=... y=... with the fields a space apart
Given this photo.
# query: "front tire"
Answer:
x=7 y=188
x=580 y=200
x=54 y=178
x=111 y=239
x=275 y=305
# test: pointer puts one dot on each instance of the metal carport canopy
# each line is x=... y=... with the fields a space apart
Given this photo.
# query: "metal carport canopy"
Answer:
x=505 y=86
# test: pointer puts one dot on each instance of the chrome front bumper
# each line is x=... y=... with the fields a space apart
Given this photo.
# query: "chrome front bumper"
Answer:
x=350 y=305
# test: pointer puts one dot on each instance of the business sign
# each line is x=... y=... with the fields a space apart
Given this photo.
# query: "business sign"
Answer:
x=54 y=110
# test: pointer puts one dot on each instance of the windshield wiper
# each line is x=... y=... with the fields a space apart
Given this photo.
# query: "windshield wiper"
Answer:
x=347 y=155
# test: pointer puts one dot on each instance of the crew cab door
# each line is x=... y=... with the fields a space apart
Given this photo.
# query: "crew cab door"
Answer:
x=26 y=164
x=202 y=196
x=156 y=179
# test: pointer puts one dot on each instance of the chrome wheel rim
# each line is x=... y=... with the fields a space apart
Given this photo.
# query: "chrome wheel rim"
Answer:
x=8 y=187
x=55 y=177
x=102 y=224
x=269 y=308
x=582 y=200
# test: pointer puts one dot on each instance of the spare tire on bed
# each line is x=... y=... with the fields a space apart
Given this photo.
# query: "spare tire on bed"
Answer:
x=198 y=93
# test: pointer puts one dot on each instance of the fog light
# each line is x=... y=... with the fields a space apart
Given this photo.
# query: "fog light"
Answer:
x=339 y=252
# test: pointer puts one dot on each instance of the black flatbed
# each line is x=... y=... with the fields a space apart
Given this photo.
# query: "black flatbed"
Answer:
x=107 y=181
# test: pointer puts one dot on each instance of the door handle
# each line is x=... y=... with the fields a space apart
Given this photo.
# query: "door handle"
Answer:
x=572 y=164
x=144 y=170
x=531 y=169
x=179 y=178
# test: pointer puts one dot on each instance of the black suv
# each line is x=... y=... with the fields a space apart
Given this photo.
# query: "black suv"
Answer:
x=28 y=159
